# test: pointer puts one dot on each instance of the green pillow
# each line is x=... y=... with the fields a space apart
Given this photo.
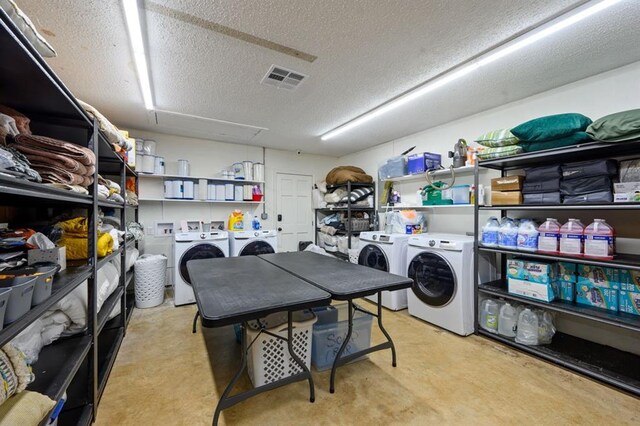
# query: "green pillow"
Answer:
x=551 y=127
x=576 y=138
x=499 y=152
x=621 y=126
x=496 y=138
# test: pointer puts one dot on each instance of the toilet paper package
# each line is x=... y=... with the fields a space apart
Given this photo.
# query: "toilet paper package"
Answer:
x=515 y=269
x=629 y=302
x=598 y=297
x=546 y=292
x=538 y=272
x=566 y=290
x=629 y=280
x=599 y=276
x=566 y=271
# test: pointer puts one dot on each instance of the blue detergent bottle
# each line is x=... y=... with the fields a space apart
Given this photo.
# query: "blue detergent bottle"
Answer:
x=255 y=224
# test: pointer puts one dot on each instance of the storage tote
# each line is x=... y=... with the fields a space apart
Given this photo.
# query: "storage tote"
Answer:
x=331 y=330
x=150 y=276
x=268 y=359
x=20 y=296
x=4 y=300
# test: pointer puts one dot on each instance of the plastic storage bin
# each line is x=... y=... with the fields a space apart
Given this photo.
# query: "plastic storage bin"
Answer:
x=20 y=297
x=268 y=359
x=44 y=282
x=393 y=167
x=4 y=301
x=330 y=331
x=150 y=276
x=460 y=194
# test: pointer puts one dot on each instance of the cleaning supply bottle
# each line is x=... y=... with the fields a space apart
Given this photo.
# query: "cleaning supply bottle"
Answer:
x=508 y=320
x=490 y=233
x=599 y=240
x=256 y=224
x=236 y=222
x=527 y=333
x=527 y=236
x=489 y=312
x=572 y=238
x=549 y=238
x=508 y=234
x=246 y=219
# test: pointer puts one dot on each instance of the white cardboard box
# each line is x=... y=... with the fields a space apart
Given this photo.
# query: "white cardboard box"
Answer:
x=538 y=291
x=56 y=255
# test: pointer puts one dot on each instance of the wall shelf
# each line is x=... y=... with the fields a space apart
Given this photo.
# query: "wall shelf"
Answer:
x=568 y=207
x=465 y=170
x=179 y=200
x=178 y=177
x=436 y=206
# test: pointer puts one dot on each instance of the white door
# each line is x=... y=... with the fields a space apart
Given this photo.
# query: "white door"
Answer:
x=294 y=218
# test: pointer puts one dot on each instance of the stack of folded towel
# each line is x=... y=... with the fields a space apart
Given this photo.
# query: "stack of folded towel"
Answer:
x=57 y=161
x=553 y=131
x=109 y=190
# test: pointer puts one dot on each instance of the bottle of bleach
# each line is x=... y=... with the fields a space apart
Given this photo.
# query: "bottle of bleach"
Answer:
x=549 y=239
x=600 y=240
x=490 y=233
x=527 y=235
x=572 y=238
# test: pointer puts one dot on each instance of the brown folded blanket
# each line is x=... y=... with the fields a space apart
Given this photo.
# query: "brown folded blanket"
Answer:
x=78 y=153
x=43 y=156
x=22 y=121
x=53 y=174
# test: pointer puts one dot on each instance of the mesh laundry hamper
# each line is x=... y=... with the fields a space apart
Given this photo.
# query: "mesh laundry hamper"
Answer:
x=268 y=359
x=150 y=270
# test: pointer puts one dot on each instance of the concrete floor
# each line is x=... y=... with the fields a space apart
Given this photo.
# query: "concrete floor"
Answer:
x=164 y=375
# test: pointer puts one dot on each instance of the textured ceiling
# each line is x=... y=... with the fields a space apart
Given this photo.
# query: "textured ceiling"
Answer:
x=368 y=52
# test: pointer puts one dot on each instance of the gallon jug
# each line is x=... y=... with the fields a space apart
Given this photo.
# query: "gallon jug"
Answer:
x=489 y=312
x=490 y=233
x=527 y=235
x=508 y=234
x=546 y=329
x=549 y=236
x=600 y=240
x=572 y=238
x=508 y=320
x=527 y=333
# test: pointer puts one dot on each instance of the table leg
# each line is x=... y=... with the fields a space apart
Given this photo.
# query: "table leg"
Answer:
x=393 y=348
x=195 y=321
x=332 y=387
x=225 y=395
x=312 y=394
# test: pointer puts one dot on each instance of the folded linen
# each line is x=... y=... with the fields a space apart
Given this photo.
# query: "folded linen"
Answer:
x=103 y=192
x=52 y=174
x=17 y=164
x=73 y=188
x=78 y=153
x=22 y=121
x=113 y=134
x=53 y=158
x=8 y=123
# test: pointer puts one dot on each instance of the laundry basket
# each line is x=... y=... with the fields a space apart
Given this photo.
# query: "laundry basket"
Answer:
x=268 y=359
x=150 y=276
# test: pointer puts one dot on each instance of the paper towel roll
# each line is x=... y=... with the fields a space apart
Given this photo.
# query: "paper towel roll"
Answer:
x=203 y=189
x=220 y=192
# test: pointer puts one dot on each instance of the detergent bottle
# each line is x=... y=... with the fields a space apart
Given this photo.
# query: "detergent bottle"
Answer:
x=489 y=312
x=236 y=222
x=572 y=238
x=256 y=224
x=490 y=233
x=508 y=234
x=599 y=240
x=527 y=235
x=549 y=236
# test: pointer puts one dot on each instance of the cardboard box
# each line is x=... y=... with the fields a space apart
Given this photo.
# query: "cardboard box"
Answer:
x=566 y=290
x=507 y=183
x=623 y=197
x=566 y=271
x=597 y=297
x=505 y=198
x=599 y=276
x=537 y=272
x=623 y=187
x=56 y=255
x=538 y=291
x=629 y=280
x=629 y=302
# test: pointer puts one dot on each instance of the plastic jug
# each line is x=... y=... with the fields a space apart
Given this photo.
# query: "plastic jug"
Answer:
x=572 y=238
x=490 y=233
x=549 y=236
x=527 y=333
x=236 y=222
x=508 y=234
x=508 y=320
x=527 y=235
x=256 y=224
x=546 y=329
x=600 y=240
x=489 y=312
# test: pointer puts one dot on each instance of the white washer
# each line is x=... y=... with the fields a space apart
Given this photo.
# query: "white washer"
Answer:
x=253 y=243
x=194 y=245
x=441 y=266
x=386 y=252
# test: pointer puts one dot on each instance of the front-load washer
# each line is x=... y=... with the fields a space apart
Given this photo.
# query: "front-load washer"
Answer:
x=441 y=266
x=190 y=246
x=386 y=252
x=253 y=243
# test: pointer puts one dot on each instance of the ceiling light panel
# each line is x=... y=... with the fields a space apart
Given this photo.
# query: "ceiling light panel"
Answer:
x=132 y=17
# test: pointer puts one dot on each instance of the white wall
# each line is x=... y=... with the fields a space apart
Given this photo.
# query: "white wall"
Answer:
x=208 y=158
x=603 y=94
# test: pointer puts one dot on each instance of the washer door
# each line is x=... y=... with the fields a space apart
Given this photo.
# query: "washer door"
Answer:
x=434 y=281
x=373 y=257
x=200 y=251
x=255 y=248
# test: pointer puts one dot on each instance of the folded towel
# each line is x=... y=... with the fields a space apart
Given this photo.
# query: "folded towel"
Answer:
x=17 y=165
x=8 y=123
x=72 y=188
x=78 y=153
x=103 y=191
x=117 y=198
x=53 y=174
x=22 y=121
x=53 y=158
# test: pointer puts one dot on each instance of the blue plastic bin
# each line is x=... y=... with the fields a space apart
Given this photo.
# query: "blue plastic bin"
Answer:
x=328 y=335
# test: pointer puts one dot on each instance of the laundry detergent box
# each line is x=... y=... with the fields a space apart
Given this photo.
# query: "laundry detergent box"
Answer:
x=629 y=280
x=566 y=290
x=546 y=292
x=599 y=276
x=566 y=271
x=629 y=302
x=598 y=297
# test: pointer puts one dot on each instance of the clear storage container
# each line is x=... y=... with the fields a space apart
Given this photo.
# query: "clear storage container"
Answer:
x=460 y=194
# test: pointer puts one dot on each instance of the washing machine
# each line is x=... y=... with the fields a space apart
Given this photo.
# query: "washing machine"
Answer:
x=253 y=243
x=190 y=246
x=386 y=252
x=441 y=266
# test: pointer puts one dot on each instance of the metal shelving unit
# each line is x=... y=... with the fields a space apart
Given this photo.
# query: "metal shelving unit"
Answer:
x=80 y=364
x=604 y=363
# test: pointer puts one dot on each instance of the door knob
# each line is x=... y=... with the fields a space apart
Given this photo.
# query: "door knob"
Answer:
x=279 y=229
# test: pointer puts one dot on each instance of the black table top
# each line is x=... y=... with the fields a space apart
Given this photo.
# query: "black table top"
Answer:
x=343 y=280
x=235 y=289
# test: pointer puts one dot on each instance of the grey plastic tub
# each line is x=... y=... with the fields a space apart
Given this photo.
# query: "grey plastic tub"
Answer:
x=44 y=273
x=20 y=296
x=4 y=301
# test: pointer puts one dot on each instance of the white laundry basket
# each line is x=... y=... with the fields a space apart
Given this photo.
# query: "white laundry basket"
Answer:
x=150 y=276
x=268 y=359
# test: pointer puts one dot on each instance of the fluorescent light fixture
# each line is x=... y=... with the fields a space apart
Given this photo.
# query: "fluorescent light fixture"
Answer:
x=132 y=17
x=525 y=40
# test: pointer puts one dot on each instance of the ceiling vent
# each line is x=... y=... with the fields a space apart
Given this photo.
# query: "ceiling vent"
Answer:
x=283 y=78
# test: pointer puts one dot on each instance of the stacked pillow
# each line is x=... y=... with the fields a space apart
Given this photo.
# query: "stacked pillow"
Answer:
x=553 y=131
x=618 y=127
x=498 y=143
